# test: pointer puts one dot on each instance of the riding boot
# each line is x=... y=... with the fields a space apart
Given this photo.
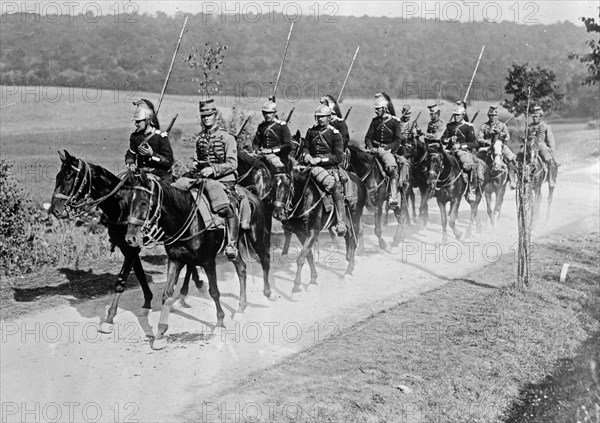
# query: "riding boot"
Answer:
x=231 y=251
x=512 y=174
x=472 y=185
x=340 y=211
x=393 y=202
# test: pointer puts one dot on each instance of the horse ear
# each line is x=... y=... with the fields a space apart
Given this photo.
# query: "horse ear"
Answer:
x=62 y=156
x=68 y=156
x=297 y=135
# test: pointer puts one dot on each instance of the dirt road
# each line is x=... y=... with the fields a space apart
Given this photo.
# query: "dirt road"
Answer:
x=56 y=367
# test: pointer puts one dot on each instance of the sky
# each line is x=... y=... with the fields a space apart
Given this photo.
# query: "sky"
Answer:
x=524 y=11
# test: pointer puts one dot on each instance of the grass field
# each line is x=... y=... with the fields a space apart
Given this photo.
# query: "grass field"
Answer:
x=33 y=129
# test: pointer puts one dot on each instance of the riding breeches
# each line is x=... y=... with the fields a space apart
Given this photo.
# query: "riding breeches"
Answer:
x=545 y=153
x=507 y=153
x=466 y=160
x=275 y=163
x=387 y=160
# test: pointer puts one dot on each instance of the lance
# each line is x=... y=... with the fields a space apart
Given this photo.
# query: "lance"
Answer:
x=289 y=116
x=348 y=74
x=473 y=76
x=282 y=60
x=239 y=132
x=347 y=113
x=162 y=93
x=509 y=119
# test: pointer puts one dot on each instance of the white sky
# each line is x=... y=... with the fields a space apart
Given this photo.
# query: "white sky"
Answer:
x=526 y=12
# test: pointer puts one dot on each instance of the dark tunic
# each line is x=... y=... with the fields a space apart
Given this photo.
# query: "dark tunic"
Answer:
x=274 y=134
x=326 y=144
x=161 y=161
x=384 y=132
x=465 y=135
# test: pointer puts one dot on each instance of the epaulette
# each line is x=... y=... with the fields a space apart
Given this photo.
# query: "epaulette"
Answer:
x=161 y=133
x=395 y=117
x=336 y=117
x=281 y=122
x=335 y=131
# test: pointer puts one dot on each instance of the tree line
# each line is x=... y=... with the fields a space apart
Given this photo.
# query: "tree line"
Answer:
x=402 y=57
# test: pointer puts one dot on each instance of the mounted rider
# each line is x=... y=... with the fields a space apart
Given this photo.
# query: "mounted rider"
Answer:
x=273 y=140
x=494 y=130
x=337 y=121
x=149 y=147
x=460 y=139
x=546 y=144
x=409 y=128
x=323 y=149
x=383 y=137
x=216 y=159
x=436 y=125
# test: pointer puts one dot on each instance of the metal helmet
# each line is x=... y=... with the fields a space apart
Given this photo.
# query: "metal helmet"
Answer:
x=144 y=110
x=381 y=103
x=460 y=110
x=323 y=110
x=269 y=107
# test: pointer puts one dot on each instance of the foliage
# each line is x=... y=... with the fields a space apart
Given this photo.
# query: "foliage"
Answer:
x=206 y=62
x=591 y=59
x=544 y=89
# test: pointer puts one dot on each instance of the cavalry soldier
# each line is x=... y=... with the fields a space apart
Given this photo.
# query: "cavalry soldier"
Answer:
x=337 y=120
x=409 y=128
x=493 y=129
x=436 y=125
x=273 y=139
x=149 y=147
x=384 y=136
x=460 y=138
x=546 y=145
x=323 y=147
x=216 y=158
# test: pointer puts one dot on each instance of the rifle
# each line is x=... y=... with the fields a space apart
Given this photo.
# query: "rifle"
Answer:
x=162 y=93
x=289 y=116
x=474 y=117
x=348 y=74
x=412 y=128
x=509 y=119
x=239 y=132
x=171 y=124
x=347 y=113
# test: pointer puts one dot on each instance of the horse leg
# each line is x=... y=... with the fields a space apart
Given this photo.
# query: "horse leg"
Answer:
x=350 y=252
x=488 y=205
x=287 y=238
x=550 y=193
x=173 y=269
x=454 y=205
x=307 y=244
x=499 y=200
x=399 y=235
x=423 y=207
x=258 y=244
x=444 y=219
x=473 y=219
x=361 y=240
x=385 y=214
x=138 y=269
x=119 y=287
x=378 y=212
x=213 y=289
x=411 y=198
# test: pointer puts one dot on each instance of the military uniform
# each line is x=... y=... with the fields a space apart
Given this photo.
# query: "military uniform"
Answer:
x=546 y=146
x=274 y=135
x=340 y=124
x=160 y=162
x=384 y=132
x=435 y=130
x=460 y=138
x=218 y=149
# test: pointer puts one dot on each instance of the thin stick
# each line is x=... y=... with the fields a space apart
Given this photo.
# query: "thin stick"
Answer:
x=283 y=58
x=348 y=74
x=473 y=76
x=162 y=93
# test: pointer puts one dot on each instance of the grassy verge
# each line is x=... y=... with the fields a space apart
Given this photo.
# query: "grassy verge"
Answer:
x=475 y=350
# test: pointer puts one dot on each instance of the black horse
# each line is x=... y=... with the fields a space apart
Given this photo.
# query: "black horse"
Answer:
x=446 y=182
x=371 y=173
x=299 y=206
x=81 y=185
x=157 y=206
x=417 y=153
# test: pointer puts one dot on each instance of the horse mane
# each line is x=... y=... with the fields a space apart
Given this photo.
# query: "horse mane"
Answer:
x=182 y=200
x=104 y=173
x=361 y=155
x=245 y=158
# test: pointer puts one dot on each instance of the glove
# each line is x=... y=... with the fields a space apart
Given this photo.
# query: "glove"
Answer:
x=145 y=150
x=207 y=171
x=307 y=158
x=315 y=161
x=132 y=167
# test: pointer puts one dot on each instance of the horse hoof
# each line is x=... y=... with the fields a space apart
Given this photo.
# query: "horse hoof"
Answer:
x=348 y=277
x=159 y=344
x=272 y=297
x=238 y=316
x=459 y=236
x=106 y=327
x=295 y=297
x=182 y=303
x=312 y=287
x=382 y=244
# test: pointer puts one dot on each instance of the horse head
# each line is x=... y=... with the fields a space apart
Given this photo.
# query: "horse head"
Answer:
x=69 y=186
x=283 y=193
x=434 y=165
x=144 y=197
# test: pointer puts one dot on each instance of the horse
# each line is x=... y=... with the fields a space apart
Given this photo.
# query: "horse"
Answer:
x=495 y=180
x=371 y=173
x=158 y=207
x=539 y=174
x=299 y=206
x=417 y=153
x=82 y=185
x=446 y=183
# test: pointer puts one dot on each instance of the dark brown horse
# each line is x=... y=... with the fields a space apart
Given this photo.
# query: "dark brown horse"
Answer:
x=371 y=173
x=447 y=184
x=417 y=153
x=81 y=185
x=157 y=207
x=495 y=181
x=299 y=206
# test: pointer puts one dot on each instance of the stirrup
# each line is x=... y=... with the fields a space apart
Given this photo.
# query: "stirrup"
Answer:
x=393 y=202
x=231 y=251
x=340 y=229
x=471 y=196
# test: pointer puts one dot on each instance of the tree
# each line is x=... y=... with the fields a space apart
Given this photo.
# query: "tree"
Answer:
x=206 y=62
x=544 y=89
x=593 y=58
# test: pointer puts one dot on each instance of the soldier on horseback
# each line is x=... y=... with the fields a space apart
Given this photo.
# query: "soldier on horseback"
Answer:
x=323 y=147
x=409 y=128
x=149 y=147
x=273 y=139
x=383 y=137
x=337 y=120
x=494 y=130
x=460 y=138
x=216 y=159
x=436 y=125
x=545 y=141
